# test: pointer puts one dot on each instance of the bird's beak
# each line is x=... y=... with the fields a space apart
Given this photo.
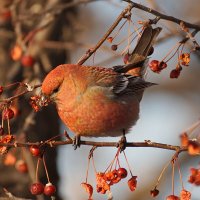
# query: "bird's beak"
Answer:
x=44 y=100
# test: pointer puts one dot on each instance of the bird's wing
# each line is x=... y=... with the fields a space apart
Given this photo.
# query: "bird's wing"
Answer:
x=119 y=83
x=126 y=84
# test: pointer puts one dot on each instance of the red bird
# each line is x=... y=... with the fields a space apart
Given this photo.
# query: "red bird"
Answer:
x=98 y=101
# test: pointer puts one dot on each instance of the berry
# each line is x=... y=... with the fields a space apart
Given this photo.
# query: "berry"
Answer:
x=1 y=130
x=157 y=66
x=27 y=61
x=88 y=188
x=126 y=58
x=110 y=39
x=193 y=148
x=132 y=183
x=21 y=166
x=49 y=189
x=185 y=195
x=37 y=188
x=16 y=52
x=35 y=150
x=122 y=172
x=154 y=192
x=175 y=73
x=8 y=114
x=172 y=197
x=114 y=47
x=1 y=90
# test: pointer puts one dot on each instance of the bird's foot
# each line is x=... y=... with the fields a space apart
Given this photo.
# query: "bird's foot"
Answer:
x=122 y=142
x=76 y=141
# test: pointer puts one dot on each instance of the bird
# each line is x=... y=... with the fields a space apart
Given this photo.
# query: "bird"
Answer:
x=95 y=101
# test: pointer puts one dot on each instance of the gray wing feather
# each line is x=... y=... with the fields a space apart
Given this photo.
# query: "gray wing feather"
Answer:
x=127 y=84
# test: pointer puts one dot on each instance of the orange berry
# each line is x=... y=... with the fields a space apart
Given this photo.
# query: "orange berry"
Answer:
x=88 y=188
x=110 y=39
x=132 y=183
x=184 y=139
x=21 y=166
x=157 y=66
x=194 y=148
x=172 y=197
x=16 y=52
x=185 y=195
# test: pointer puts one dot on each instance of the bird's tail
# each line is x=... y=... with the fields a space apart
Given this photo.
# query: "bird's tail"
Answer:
x=143 y=49
x=136 y=65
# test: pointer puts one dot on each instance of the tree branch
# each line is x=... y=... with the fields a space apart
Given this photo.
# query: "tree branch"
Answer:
x=101 y=41
x=52 y=143
x=163 y=16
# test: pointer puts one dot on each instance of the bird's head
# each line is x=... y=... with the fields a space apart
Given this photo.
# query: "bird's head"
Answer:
x=52 y=82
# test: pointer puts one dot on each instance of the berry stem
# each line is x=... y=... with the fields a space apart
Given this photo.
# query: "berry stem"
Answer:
x=88 y=166
x=162 y=172
x=180 y=174
x=37 y=169
x=118 y=31
x=45 y=167
x=172 y=177
x=94 y=164
x=129 y=168
x=170 y=51
x=8 y=121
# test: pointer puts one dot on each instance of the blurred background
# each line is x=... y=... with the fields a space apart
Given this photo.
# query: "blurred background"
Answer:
x=166 y=110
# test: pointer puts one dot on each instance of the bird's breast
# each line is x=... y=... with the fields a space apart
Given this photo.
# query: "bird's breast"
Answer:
x=94 y=113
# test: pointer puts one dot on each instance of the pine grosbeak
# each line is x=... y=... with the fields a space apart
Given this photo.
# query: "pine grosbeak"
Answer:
x=98 y=101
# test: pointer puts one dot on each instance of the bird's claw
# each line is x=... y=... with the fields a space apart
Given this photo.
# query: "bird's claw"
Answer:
x=122 y=142
x=76 y=142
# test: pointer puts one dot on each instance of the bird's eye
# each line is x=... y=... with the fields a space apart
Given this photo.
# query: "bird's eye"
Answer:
x=55 y=90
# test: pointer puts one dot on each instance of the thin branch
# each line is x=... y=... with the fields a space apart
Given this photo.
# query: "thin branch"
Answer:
x=101 y=41
x=51 y=143
x=10 y=99
x=163 y=16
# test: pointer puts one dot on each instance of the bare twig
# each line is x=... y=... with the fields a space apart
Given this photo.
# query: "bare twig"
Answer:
x=10 y=99
x=101 y=41
x=51 y=143
x=163 y=16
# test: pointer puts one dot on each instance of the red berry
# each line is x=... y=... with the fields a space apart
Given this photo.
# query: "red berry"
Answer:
x=110 y=39
x=175 y=73
x=1 y=130
x=27 y=61
x=35 y=150
x=49 y=189
x=132 y=183
x=157 y=66
x=37 y=188
x=114 y=47
x=172 y=197
x=122 y=172
x=126 y=58
x=8 y=114
x=154 y=192
x=21 y=166
x=1 y=90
